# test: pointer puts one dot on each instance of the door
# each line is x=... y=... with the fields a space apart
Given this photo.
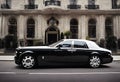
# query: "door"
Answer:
x=60 y=55
x=82 y=52
x=52 y=38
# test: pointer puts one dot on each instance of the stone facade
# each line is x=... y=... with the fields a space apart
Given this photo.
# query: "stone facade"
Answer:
x=53 y=17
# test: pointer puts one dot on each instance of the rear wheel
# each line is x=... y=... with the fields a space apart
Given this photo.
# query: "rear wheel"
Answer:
x=94 y=61
x=28 y=61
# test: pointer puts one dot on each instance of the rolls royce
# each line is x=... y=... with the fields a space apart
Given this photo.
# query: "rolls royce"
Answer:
x=65 y=51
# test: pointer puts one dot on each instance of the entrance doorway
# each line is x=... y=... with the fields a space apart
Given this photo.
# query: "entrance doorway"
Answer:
x=52 y=35
x=52 y=38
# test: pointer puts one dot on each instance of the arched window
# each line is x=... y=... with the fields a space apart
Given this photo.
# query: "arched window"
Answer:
x=30 y=28
x=108 y=27
x=12 y=26
x=74 y=28
x=92 y=28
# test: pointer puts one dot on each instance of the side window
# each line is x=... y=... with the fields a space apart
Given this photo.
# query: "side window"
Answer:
x=66 y=44
x=80 y=44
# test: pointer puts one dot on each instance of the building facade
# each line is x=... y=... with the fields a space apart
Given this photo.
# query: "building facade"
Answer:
x=32 y=22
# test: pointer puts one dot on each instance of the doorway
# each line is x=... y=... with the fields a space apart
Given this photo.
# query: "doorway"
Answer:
x=52 y=35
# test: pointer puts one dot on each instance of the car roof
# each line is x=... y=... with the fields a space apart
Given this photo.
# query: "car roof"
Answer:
x=78 y=40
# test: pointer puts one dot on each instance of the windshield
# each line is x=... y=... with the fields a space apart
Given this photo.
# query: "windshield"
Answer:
x=54 y=44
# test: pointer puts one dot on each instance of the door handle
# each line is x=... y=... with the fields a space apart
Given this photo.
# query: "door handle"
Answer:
x=72 y=50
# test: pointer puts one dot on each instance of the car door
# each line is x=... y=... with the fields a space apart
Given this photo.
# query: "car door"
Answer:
x=81 y=53
x=61 y=53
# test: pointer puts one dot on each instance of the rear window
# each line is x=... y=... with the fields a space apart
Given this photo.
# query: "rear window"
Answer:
x=80 y=44
x=92 y=45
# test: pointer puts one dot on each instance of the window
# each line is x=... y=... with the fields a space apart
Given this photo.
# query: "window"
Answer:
x=31 y=2
x=6 y=5
x=74 y=28
x=12 y=26
x=73 y=1
x=31 y=5
x=80 y=44
x=52 y=2
x=116 y=4
x=91 y=2
x=91 y=5
x=108 y=27
x=92 y=28
x=30 y=28
x=66 y=44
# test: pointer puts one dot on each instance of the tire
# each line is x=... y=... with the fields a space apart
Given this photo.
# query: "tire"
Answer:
x=28 y=61
x=94 y=61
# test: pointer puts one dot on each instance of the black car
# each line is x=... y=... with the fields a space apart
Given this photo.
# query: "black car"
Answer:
x=66 y=51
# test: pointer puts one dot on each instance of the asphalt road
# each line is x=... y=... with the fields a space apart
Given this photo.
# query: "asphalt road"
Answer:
x=10 y=72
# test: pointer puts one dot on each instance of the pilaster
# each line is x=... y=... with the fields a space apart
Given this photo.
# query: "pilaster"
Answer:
x=0 y=26
x=21 y=27
x=116 y=26
x=100 y=28
x=84 y=27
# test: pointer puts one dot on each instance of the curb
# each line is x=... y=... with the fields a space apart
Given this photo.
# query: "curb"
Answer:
x=11 y=58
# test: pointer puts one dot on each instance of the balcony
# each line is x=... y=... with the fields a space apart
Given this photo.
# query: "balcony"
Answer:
x=74 y=6
x=92 y=6
x=5 y=6
x=31 y=6
x=54 y=3
x=116 y=7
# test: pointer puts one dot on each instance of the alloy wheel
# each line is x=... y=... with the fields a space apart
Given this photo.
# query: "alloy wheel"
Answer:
x=28 y=61
x=94 y=61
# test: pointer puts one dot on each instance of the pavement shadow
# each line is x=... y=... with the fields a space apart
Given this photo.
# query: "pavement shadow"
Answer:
x=65 y=67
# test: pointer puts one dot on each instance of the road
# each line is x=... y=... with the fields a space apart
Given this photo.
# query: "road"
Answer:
x=10 y=72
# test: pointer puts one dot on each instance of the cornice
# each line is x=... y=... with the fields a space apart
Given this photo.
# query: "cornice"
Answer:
x=60 y=12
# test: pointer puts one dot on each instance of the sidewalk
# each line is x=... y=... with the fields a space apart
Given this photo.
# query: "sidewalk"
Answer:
x=11 y=58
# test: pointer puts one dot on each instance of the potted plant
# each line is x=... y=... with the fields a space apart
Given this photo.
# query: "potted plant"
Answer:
x=67 y=34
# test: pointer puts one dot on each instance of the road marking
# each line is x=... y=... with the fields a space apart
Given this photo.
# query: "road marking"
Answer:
x=7 y=73
x=88 y=73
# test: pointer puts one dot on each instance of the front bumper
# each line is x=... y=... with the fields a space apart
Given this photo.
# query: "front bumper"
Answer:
x=107 y=60
x=16 y=59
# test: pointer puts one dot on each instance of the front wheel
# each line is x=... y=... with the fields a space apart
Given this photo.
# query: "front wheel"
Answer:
x=28 y=61
x=94 y=61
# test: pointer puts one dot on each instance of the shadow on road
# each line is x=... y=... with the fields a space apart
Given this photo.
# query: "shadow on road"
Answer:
x=65 y=67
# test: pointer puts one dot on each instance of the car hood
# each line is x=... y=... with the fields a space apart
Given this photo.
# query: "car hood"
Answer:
x=103 y=49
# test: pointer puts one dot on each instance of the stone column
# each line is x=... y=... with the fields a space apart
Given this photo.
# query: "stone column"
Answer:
x=100 y=28
x=116 y=26
x=21 y=27
x=0 y=26
x=41 y=28
x=4 y=29
x=21 y=30
x=65 y=23
x=83 y=25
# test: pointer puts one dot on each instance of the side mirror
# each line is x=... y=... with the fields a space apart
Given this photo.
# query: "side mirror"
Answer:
x=59 y=46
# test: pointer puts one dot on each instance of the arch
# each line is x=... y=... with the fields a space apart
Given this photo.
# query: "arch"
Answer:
x=108 y=27
x=92 y=28
x=11 y=38
x=52 y=21
x=74 y=28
